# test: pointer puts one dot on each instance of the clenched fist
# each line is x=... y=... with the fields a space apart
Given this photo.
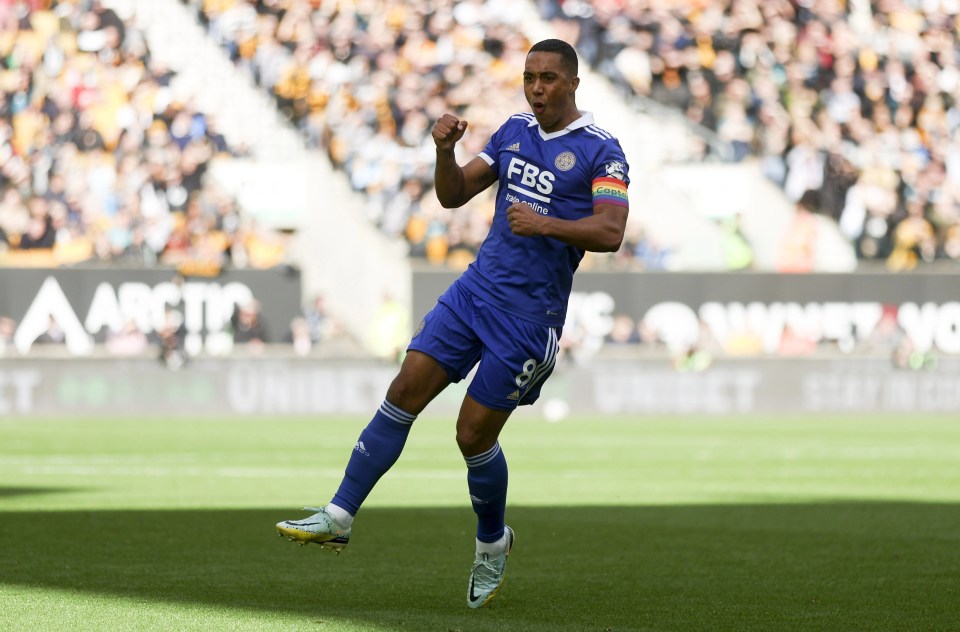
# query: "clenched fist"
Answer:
x=447 y=131
x=524 y=221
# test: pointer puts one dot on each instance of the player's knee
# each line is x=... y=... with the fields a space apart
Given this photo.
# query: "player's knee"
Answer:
x=473 y=441
x=466 y=441
x=420 y=379
x=404 y=395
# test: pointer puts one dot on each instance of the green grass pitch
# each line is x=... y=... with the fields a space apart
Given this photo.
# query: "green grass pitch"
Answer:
x=656 y=524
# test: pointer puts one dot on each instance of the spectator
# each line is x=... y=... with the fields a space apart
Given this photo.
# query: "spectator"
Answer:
x=623 y=331
x=642 y=252
x=54 y=335
x=737 y=251
x=692 y=360
x=299 y=336
x=951 y=243
x=247 y=325
x=794 y=343
x=907 y=356
x=39 y=234
x=7 y=328
x=321 y=326
x=14 y=216
x=913 y=239
x=798 y=246
x=171 y=340
x=391 y=330
x=128 y=341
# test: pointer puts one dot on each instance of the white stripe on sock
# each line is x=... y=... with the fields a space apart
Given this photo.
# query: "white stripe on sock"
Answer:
x=398 y=415
x=486 y=457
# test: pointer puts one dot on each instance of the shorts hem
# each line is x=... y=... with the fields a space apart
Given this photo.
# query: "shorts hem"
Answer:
x=482 y=402
x=452 y=375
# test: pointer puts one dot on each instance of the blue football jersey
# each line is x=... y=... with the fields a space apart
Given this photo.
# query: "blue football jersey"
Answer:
x=560 y=174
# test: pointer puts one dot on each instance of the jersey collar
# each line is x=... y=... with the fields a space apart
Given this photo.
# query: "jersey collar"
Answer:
x=586 y=118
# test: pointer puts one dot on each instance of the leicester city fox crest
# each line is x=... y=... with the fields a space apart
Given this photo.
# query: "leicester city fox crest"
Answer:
x=565 y=161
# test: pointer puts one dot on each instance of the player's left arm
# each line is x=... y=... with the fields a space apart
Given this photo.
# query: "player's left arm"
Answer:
x=600 y=232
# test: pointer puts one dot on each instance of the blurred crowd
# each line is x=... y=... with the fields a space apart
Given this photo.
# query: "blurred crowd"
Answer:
x=98 y=161
x=736 y=334
x=856 y=100
x=850 y=107
x=853 y=100
x=365 y=82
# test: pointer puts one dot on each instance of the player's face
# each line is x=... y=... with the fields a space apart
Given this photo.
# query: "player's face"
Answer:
x=550 y=91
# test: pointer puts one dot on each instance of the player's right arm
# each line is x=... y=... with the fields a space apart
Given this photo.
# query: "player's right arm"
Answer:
x=457 y=185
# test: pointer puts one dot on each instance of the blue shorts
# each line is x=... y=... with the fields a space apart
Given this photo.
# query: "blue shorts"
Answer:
x=516 y=356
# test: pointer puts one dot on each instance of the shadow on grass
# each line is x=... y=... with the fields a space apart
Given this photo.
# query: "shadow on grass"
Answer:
x=843 y=566
x=10 y=492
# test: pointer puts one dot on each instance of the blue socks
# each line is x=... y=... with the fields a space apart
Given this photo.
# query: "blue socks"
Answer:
x=378 y=448
x=375 y=452
x=487 y=482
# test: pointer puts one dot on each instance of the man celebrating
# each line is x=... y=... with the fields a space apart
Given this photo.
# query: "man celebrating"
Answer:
x=562 y=190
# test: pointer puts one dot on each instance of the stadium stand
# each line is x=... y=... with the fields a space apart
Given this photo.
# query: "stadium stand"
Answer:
x=282 y=182
x=855 y=100
x=101 y=163
x=364 y=82
x=192 y=158
x=858 y=109
x=119 y=157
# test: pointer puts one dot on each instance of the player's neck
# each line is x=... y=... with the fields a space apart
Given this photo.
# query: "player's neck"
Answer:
x=569 y=117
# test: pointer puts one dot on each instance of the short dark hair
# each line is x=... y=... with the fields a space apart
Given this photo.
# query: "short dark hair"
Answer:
x=568 y=56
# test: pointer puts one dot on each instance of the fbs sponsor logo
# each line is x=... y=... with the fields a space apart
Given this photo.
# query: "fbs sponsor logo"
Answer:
x=530 y=180
x=362 y=449
x=513 y=199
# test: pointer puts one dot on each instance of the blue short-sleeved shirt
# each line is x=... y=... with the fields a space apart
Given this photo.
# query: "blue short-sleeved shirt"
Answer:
x=507 y=309
x=561 y=174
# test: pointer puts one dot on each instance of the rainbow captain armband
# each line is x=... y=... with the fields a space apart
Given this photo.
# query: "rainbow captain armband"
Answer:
x=610 y=191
